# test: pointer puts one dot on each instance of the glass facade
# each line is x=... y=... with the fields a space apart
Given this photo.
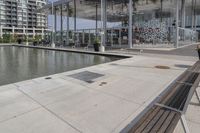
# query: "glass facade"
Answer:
x=155 y=22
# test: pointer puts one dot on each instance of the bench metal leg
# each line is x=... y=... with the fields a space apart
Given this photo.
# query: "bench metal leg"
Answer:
x=184 y=124
x=197 y=95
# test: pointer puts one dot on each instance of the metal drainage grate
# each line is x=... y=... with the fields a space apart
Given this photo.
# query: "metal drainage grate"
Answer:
x=48 y=78
x=162 y=67
x=114 y=64
x=86 y=76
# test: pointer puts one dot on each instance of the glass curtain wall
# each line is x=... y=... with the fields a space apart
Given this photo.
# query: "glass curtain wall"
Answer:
x=154 y=23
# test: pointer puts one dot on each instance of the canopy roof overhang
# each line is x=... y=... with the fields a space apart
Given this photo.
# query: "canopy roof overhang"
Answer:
x=117 y=10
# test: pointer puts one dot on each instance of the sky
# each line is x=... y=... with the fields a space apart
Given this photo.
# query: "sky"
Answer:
x=81 y=23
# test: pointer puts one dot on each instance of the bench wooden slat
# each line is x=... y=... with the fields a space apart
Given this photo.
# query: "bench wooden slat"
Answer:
x=167 y=122
x=189 y=77
x=153 y=121
x=160 y=122
x=176 y=101
x=195 y=67
x=142 y=119
x=173 y=123
x=146 y=122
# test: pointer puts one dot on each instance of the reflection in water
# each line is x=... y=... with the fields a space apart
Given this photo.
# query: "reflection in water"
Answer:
x=17 y=64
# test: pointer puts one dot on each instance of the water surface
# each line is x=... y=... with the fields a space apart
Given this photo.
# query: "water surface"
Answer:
x=18 y=64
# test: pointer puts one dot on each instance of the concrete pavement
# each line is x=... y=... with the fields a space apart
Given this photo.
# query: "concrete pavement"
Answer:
x=64 y=104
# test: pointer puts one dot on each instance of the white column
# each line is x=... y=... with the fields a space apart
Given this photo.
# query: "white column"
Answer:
x=111 y=37
x=61 y=24
x=33 y=32
x=1 y=31
x=130 y=34
x=177 y=24
x=195 y=15
x=83 y=37
x=13 y=30
x=42 y=33
x=103 y=25
x=75 y=35
x=120 y=37
x=96 y=25
x=183 y=13
x=55 y=19
x=89 y=38
x=24 y=31
x=67 y=39
x=53 y=27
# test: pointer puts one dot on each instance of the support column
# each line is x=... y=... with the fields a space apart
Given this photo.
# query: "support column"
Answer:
x=13 y=30
x=111 y=37
x=1 y=31
x=55 y=24
x=177 y=24
x=192 y=10
x=103 y=25
x=61 y=24
x=195 y=15
x=96 y=20
x=130 y=29
x=67 y=36
x=24 y=31
x=89 y=38
x=55 y=19
x=184 y=124
x=120 y=37
x=53 y=27
x=83 y=37
x=33 y=32
x=75 y=37
x=42 y=33
x=183 y=13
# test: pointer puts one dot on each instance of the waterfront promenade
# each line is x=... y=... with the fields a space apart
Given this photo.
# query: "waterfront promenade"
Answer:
x=63 y=103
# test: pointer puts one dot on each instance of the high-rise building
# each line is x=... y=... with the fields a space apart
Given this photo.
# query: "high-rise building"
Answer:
x=20 y=17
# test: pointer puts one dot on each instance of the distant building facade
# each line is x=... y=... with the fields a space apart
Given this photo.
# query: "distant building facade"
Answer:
x=20 y=17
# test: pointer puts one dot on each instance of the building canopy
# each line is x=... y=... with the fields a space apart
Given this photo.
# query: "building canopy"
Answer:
x=117 y=10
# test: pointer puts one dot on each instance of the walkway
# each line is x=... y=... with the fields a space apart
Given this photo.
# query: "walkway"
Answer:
x=105 y=100
x=185 y=51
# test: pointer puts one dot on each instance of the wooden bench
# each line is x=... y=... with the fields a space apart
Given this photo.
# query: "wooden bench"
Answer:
x=170 y=107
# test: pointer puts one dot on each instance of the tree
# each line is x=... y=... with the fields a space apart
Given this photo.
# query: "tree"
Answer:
x=37 y=38
x=7 y=38
x=14 y=38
